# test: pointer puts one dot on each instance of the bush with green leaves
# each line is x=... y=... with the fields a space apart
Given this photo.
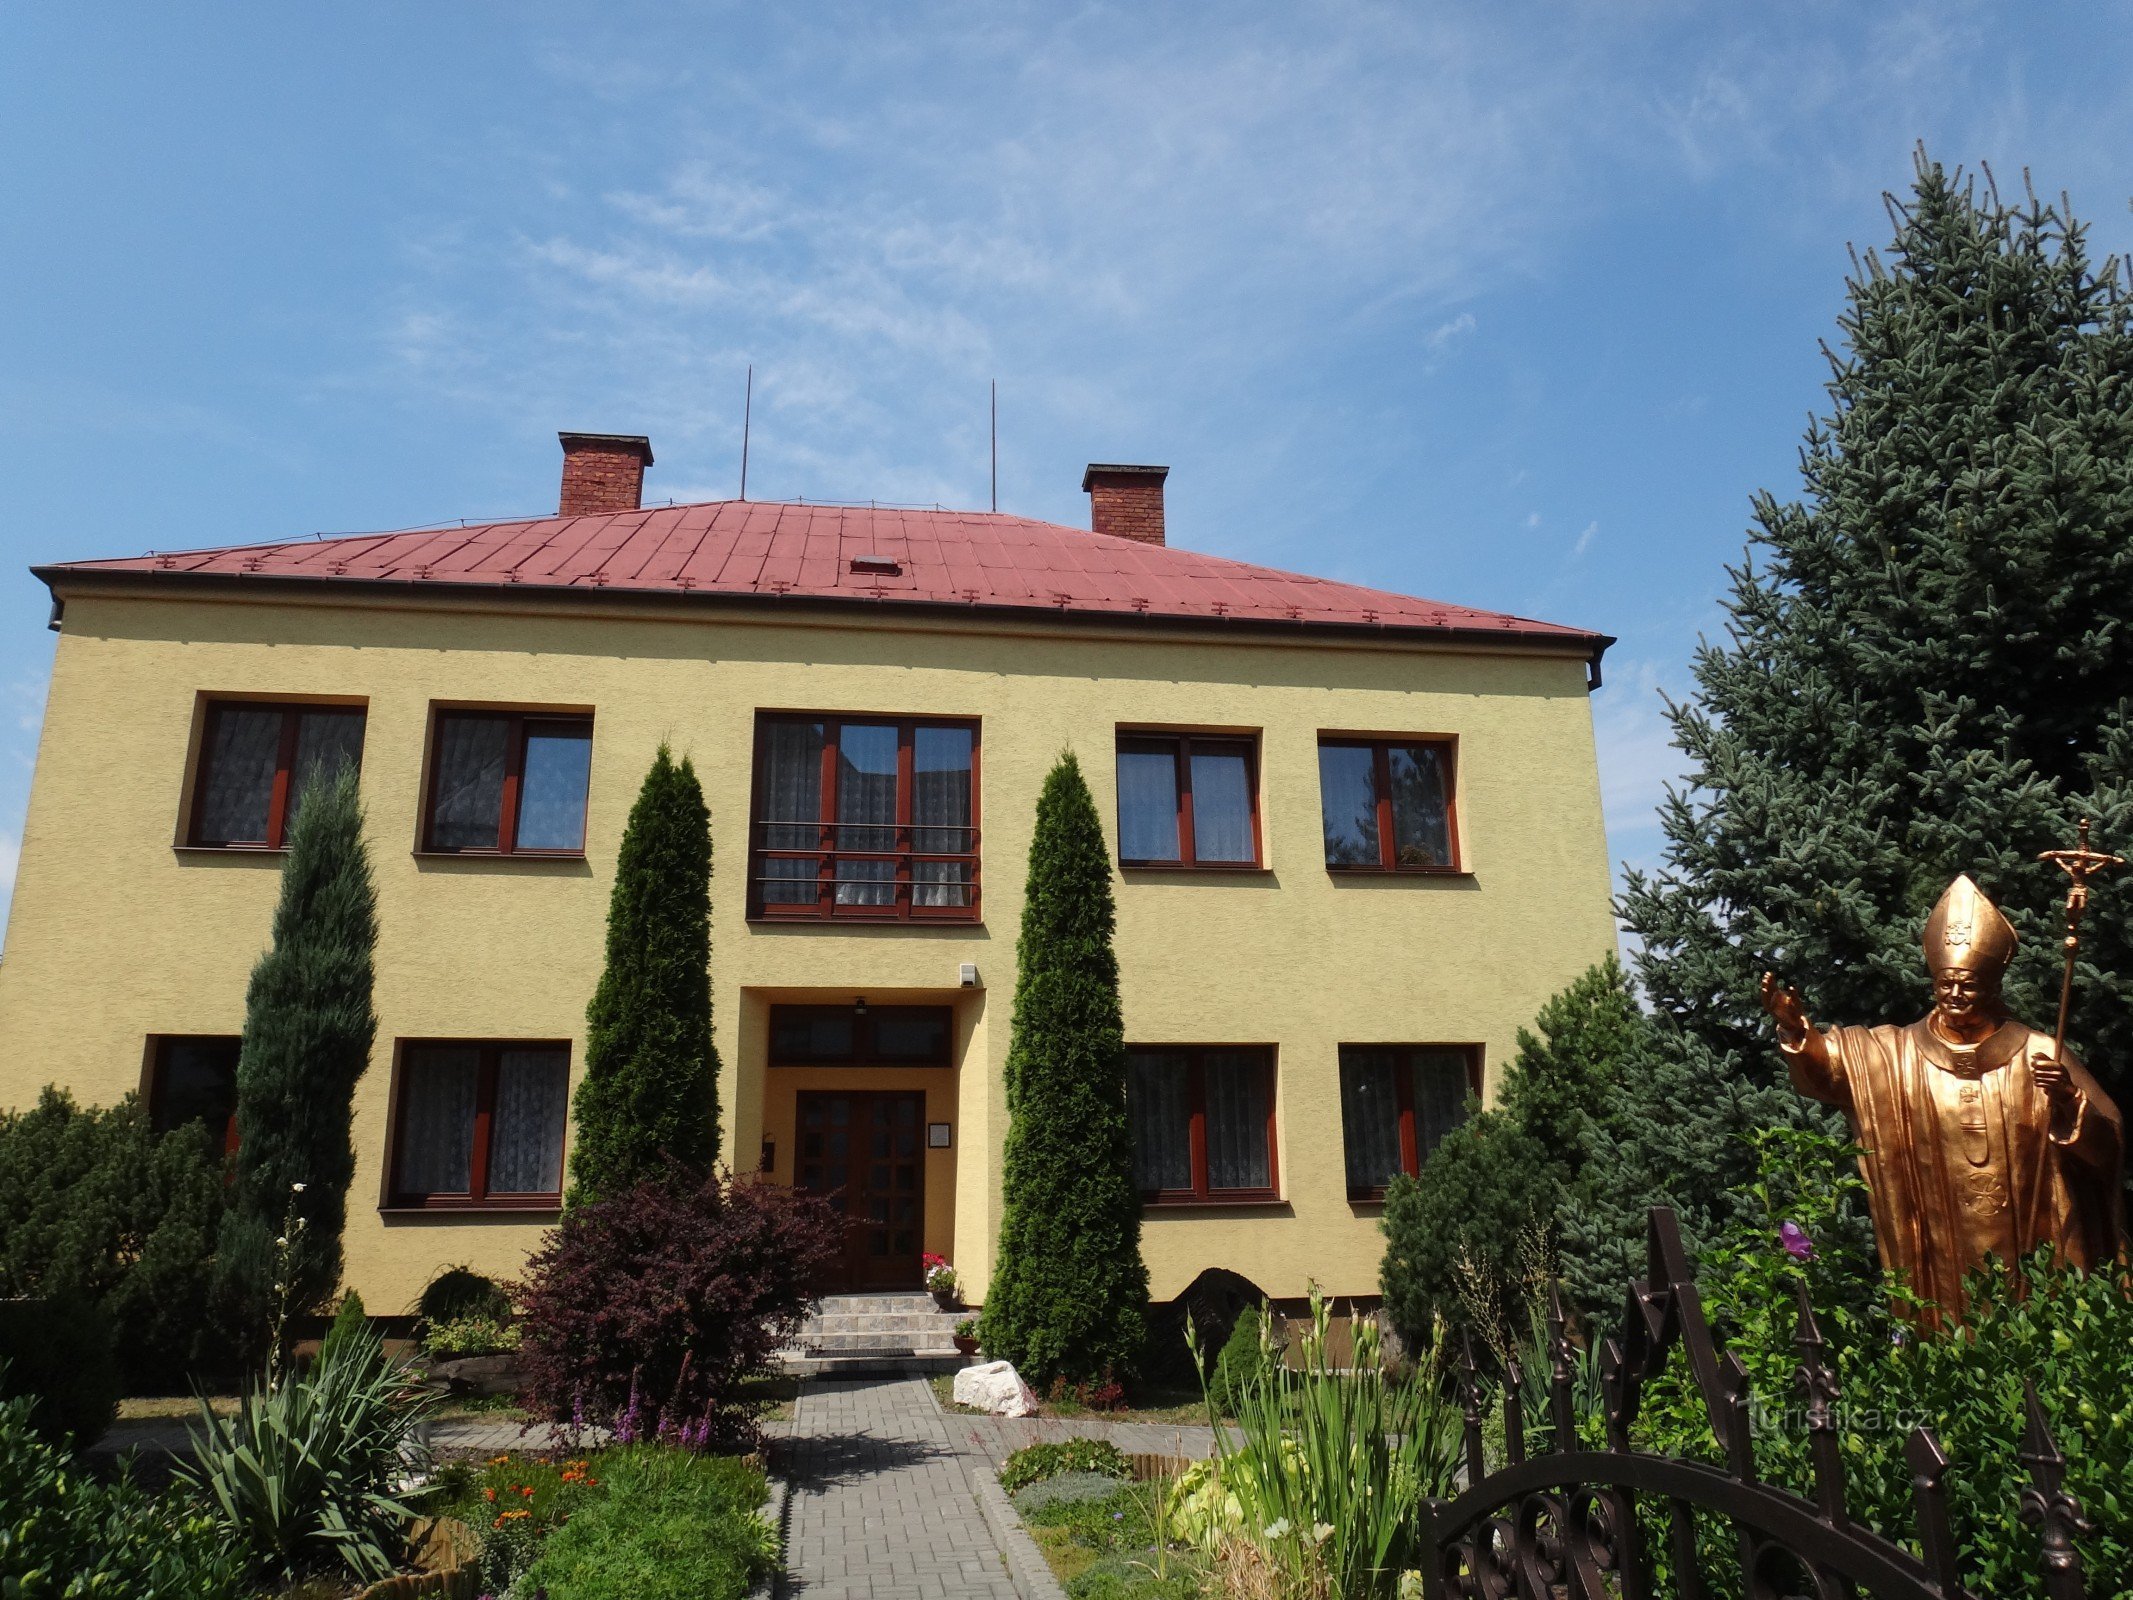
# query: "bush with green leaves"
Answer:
x=469 y=1336
x=457 y=1293
x=1069 y=1291
x=1244 y=1362
x=58 y=1354
x=672 y=1525
x=65 y=1533
x=2069 y=1333
x=95 y=1205
x=1499 y=1189
x=305 y=1475
x=1048 y=1458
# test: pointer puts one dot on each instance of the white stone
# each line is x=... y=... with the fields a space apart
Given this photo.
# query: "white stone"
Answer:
x=995 y=1386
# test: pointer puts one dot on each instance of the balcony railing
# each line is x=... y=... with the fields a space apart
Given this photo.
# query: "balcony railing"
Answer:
x=864 y=872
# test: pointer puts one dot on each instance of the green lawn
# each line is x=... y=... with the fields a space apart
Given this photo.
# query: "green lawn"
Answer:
x=1107 y=1550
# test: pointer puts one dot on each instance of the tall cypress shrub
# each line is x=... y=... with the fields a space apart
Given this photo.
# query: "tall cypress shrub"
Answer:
x=648 y=1104
x=308 y=1027
x=1925 y=672
x=1069 y=1291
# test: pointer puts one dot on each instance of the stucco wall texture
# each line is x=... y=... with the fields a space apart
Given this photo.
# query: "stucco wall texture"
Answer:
x=115 y=934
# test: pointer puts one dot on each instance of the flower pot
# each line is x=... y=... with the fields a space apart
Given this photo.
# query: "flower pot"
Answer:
x=946 y=1299
x=965 y=1345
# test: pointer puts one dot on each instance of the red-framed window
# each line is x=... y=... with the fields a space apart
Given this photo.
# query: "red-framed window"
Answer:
x=1387 y=804
x=862 y=1036
x=1397 y=1102
x=1187 y=800
x=1203 y=1123
x=257 y=758
x=507 y=783
x=478 y=1122
x=192 y=1079
x=866 y=819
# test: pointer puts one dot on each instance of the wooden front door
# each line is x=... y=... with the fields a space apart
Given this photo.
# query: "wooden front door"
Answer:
x=864 y=1151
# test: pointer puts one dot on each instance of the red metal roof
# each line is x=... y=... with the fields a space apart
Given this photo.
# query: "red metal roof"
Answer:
x=764 y=549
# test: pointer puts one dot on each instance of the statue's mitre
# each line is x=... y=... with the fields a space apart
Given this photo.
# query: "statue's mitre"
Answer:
x=1966 y=930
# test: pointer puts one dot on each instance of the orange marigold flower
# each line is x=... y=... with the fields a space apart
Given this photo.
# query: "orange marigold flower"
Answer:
x=488 y=1494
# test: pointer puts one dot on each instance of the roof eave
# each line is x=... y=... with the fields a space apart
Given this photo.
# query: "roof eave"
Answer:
x=1589 y=646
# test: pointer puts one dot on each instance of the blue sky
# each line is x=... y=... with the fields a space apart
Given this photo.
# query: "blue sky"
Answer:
x=1507 y=304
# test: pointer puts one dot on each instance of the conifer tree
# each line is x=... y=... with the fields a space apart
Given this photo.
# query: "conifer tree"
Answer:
x=1503 y=1185
x=1069 y=1291
x=308 y=1028
x=1925 y=672
x=648 y=1104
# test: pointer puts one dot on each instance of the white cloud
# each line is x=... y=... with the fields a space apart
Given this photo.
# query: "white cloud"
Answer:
x=1586 y=535
x=1533 y=519
x=1445 y=332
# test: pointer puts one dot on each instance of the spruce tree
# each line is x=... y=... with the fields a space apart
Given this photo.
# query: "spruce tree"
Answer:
x=648 y=1104
x=308 y=1028
x=1069 y=1291
x=1925 y=672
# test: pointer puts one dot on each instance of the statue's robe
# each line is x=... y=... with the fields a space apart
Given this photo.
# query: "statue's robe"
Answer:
x=1965 y=1156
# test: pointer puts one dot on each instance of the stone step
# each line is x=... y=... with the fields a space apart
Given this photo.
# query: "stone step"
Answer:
x=886 y=1322
x=877 y=1343
x=873 y=1304
x=799 y=1364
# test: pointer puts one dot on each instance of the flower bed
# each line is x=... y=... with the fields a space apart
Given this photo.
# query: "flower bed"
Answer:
x=641 y=1521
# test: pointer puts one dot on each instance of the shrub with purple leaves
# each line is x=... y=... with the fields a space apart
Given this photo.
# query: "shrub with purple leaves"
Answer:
x=645 y=1312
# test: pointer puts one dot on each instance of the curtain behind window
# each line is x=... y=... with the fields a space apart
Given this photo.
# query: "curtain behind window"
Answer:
x=1370 y=1116
x=242 y=752
x=526 y=1130
x=467 y=789
x=326 y=741
x=1162 y=1121
x=552 y=787
x=435 y=1149
x=940 y=814
x=1221 y=806
x=1237 y=1144
x=1441 y=1090
x=1348 y=796
x=866 y=812
x=792 y=810
x=1147 y=805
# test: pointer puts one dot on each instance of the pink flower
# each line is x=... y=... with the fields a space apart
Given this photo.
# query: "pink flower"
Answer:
x=1796 y=1242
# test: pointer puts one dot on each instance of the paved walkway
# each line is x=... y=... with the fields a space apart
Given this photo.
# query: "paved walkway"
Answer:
x=881 y=1500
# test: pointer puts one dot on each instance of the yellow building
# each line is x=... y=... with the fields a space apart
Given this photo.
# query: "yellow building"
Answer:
x=1358 y=842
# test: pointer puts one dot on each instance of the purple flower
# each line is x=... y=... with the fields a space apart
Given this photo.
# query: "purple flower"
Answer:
x=1797 y=1244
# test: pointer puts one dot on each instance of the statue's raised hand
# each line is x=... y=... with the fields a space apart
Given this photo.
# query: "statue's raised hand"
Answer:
x=1785 y=1010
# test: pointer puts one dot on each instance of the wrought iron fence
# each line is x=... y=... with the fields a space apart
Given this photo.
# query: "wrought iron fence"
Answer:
x=1563 y=1523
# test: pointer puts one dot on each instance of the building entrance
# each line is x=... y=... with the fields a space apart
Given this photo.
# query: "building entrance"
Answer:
x=863 y=1150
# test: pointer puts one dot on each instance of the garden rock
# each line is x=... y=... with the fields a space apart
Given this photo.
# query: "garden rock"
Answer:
x=500 y=1374
x=995 y=1386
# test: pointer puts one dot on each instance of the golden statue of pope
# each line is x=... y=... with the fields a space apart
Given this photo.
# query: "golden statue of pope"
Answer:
x=1979 y=1140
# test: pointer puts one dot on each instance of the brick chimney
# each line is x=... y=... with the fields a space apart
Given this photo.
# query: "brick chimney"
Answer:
x=603 y=472
x=1126 y=501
